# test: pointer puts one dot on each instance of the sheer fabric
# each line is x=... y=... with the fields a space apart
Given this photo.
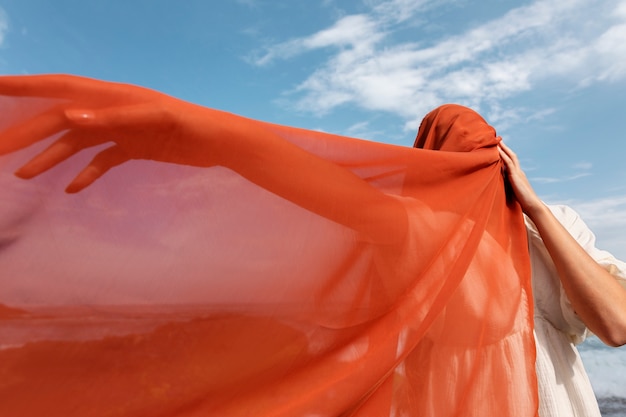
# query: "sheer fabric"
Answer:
x=191 y=288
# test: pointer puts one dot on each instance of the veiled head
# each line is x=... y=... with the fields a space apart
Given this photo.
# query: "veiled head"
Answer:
x=455 y=128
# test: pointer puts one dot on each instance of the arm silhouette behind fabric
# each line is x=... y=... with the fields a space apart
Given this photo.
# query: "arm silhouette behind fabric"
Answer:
x=145 y=124
x=598 y=299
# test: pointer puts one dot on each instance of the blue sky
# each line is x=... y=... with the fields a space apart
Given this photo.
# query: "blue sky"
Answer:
x=550 y=75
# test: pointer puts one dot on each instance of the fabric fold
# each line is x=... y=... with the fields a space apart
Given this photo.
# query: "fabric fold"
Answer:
x=178 y=290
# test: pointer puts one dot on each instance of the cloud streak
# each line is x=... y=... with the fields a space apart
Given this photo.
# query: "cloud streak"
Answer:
x=481 y=67
x=583 y=169
x=553 y=180
x=4 y=25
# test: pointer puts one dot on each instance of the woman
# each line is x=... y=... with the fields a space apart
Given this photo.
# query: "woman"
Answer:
x=440 y=251
x=576 y=287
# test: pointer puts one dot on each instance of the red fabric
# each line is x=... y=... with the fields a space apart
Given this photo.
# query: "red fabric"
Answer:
x=230 y=267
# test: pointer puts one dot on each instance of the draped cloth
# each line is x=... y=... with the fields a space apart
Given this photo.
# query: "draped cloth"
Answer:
x=166 y=289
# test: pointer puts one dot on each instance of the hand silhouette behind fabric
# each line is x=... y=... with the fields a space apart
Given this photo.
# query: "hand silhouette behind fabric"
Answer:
x=145 y=124
x=140 y=124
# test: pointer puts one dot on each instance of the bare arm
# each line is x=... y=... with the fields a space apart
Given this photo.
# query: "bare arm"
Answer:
x=309 y=181
x=598 y=299
x=144 y=124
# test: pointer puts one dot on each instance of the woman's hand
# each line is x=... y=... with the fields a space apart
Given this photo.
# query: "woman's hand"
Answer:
x=145 y=124
x=595 y=295
x=524 y=192
x=139 y=123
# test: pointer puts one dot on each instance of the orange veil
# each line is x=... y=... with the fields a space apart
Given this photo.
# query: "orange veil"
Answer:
x=183 y=290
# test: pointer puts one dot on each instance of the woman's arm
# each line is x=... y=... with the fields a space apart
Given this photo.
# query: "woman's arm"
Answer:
x=144 y=124
x=598 y=299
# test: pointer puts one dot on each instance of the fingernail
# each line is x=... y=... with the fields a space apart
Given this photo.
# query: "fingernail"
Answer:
x=25 y=172
x=73 y=188
x=22 y=173
x=79 y=116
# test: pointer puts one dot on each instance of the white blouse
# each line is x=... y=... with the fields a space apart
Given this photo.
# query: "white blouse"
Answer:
x=564 y=388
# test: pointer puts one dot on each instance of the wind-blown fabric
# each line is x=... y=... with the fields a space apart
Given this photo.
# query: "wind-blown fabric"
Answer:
x=177 y=290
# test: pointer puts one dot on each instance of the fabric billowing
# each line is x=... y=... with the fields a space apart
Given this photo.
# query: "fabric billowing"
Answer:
x=189 y=289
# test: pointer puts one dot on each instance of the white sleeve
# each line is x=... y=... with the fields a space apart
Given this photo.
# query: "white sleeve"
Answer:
x=585 y=237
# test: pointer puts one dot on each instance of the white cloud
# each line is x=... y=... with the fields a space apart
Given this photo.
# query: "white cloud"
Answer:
x=596 y=211
x=4 y=25
x=349 y=30
x=399 y=10
x=582 y=169
x=480 y=67
x=364 y=130
x=611 y=50
x=553 y=180
x=358 y=128
x=358 y=32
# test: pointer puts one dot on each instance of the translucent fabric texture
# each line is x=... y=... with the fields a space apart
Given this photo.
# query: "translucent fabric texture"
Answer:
x=208 y=264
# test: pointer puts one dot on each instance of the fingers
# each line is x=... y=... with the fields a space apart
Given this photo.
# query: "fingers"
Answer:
x=104 y=161
x=136 y=116
x=504 y=150
x=33 y=130
x=56 y=85
x=56 y=120
x=84 y=90
x=504 y=156
x=97 y=122
x=508 y=156
x=42 y=85
x=69 y=144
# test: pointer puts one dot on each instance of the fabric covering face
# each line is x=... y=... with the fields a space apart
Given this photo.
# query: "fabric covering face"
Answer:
x=185 y=282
